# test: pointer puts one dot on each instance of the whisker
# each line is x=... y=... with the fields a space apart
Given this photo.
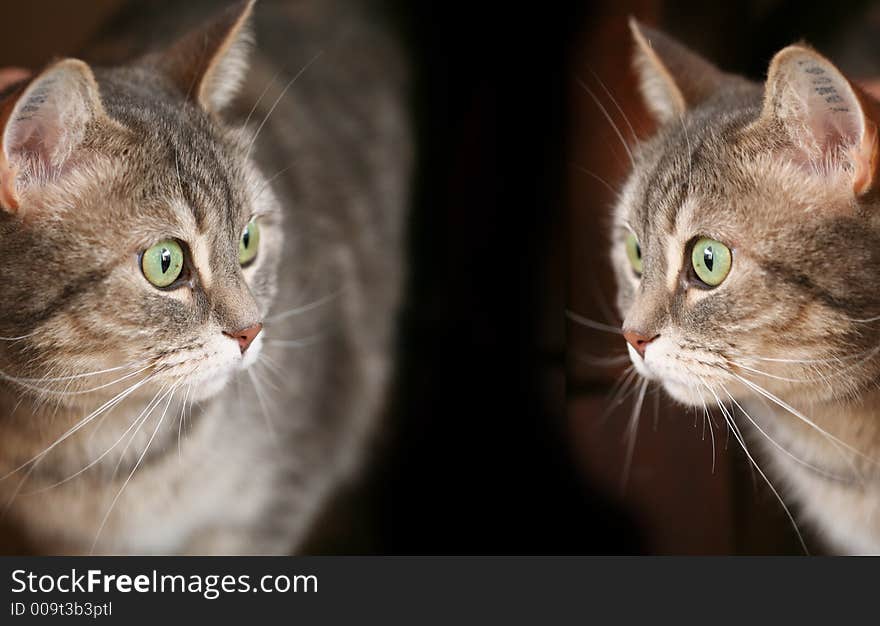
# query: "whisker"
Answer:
x=610 y=316
x=757 y=388
x=304 y=307
x=19 y=338
x=602 y=361
x=623 y=390
x=259 y=390
x=614 y=192
x=278 y=99
x=738 y=435
x=629 y=125
x=297 y=343
x=583 y=321
x=708 y=418
x=182 y=416
x=82 y=423
x=155 y=401
x=51 y=379
x=134 y=469
x=66 y=392
x=33 y=465
x=768 y=374
x=273 y=369
x=609 y=118
x=632 y=434
x=262 y=95
x=779 y=446
x=143 y=416
x=656 y=394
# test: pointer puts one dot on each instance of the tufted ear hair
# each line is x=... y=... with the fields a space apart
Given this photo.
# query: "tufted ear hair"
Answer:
x=209 y=63
x=43 y=124
x=671 y=77
x=830 y=121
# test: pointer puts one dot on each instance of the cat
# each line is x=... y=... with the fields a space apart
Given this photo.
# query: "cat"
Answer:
x=745 y=245
x=201 y=253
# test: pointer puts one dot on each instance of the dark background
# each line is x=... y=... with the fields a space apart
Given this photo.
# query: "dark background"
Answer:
x=494 y=442
x=479 y=461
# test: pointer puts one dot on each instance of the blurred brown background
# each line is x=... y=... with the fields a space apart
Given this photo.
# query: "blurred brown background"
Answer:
x=35 y=32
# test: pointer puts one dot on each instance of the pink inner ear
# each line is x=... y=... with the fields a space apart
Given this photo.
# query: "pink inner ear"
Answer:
x=44 y=124
x=822 y=100
x=834 y=132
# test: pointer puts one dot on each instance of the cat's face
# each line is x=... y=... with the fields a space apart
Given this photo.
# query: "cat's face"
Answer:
x=138 y=237
x=743 y=251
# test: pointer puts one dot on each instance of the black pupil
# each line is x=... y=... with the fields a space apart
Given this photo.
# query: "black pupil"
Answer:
x=709 y=258
x=638 y=251
x=166 y=259
x=246 y=237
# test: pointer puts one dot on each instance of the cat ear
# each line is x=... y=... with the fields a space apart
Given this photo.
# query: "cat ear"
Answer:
x=209 y=63
x=671 y=77
x=830 y=121
x=43 y=123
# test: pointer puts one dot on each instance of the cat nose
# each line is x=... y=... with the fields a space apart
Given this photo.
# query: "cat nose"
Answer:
x=638 y=341
x=245 y=336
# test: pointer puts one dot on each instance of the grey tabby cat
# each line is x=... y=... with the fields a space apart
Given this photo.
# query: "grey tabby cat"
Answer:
x=747 y=242
x=197 y=316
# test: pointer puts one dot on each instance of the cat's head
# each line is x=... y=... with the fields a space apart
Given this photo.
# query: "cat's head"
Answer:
x=746 y=240
x=136 y=234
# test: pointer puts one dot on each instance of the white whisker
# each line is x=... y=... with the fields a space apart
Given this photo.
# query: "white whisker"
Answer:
x=304 y=307
x=610 y=120
x=736 y=433
x=297 y=343
x=633 y=433
x=779 y=446
x=144 y=415
x=259 y=391
x=134 y=469
x=278 y=99
x=109 y=404
x=793 y=411
x=583 y=321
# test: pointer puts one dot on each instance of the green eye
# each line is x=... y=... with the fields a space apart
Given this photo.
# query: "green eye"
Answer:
x=711 y=260
x=249 y=243
x=634 y=253
x=162 y=263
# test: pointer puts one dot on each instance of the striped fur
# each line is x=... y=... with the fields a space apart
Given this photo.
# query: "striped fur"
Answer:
x=756 y=168
x=238 y=454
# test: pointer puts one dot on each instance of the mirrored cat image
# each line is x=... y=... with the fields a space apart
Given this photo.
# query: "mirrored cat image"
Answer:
x=742 y=241
x=198 y=309
x=296 y=277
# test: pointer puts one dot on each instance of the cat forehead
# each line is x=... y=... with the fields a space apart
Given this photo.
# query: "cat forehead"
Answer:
x=174 y=150
x=711 y=162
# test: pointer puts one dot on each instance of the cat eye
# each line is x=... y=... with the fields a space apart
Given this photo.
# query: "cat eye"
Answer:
x=710 y=260
x=634 y=253
x=162 y=263
x=249 y=243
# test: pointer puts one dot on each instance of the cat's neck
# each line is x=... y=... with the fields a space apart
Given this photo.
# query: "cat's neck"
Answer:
x=842 y=436
x=62 y=438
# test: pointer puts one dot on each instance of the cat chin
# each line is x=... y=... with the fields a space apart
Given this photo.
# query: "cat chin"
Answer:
x=686 y=394
x=689 y=395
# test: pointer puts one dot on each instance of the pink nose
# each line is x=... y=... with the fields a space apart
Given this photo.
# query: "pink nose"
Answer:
x=245 y=336
x=638 y=341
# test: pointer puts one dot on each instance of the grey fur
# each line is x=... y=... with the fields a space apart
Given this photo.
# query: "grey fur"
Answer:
x=796 y=315
x=250 y=468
